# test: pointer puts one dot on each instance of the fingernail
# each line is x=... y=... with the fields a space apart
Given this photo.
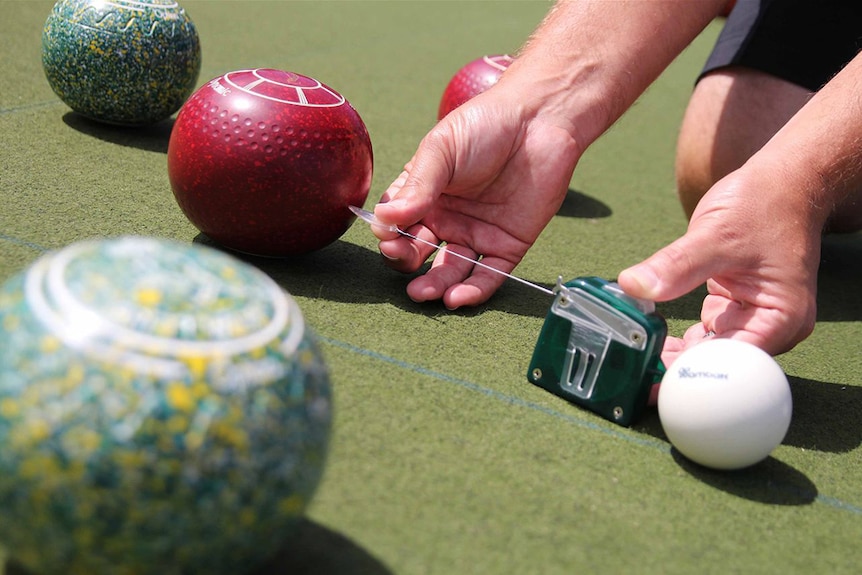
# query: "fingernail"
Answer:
x=388 y=257
x=396 y=203
x=645 y=279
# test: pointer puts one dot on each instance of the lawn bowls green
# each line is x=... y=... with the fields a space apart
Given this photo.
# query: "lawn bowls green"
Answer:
x=164 y=410
x=126 y=62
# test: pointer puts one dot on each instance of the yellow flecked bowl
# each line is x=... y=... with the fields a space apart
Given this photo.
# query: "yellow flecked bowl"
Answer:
x=163 y=409
x=126 y=62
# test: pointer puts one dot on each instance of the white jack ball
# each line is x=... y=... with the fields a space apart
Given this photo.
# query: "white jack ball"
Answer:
x=725 y=404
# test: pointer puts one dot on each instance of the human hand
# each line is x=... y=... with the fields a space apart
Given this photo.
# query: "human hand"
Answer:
x=486 y=180
x=758 y=254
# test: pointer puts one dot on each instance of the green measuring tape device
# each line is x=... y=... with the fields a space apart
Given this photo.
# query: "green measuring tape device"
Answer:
x=600 y=348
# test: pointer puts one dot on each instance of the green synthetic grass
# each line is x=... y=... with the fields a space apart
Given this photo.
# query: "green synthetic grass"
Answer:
x=444 y=459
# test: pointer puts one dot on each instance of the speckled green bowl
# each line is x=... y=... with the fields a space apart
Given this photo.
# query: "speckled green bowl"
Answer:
x=127 y=62
x=164 y=409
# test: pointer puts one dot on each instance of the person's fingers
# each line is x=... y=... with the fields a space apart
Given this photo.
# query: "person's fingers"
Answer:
x=446 y=270
x=384 y=233
x=405 y=254
x=694 y=335
x=479 y=287
x=653 y=394
x=396 y=185
x=414 y=192
x=673 y=346
x=733 y=319
x=456 y=280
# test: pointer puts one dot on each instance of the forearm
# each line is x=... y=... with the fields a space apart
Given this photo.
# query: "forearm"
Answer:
x=817 y=155
x=589 y=60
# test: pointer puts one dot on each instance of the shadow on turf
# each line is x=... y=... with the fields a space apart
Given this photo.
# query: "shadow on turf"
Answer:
x=838 y=285
x=318 y=550
x=347 y=272
x=315 y=550
x=153 y=138
x=770 y=481
x=579 y=205
x=840 y=278
x=825 y=417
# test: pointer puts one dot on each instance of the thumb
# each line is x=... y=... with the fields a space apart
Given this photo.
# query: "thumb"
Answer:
x=409 y=198
x=673 y=271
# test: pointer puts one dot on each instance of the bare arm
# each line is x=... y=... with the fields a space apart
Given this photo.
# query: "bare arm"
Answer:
x=490 y=176
x=590 y=60
x=755 y=236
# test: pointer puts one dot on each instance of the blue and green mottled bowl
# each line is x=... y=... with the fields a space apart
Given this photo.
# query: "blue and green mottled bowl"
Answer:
x=164 y=409
x=126 y=62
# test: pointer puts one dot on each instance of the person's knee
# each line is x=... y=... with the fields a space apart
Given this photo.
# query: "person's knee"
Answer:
x=732 y=113
x=699 y=161
x=694 y=173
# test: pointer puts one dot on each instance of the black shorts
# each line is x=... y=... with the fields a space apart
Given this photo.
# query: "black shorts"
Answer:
x=805 y=42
